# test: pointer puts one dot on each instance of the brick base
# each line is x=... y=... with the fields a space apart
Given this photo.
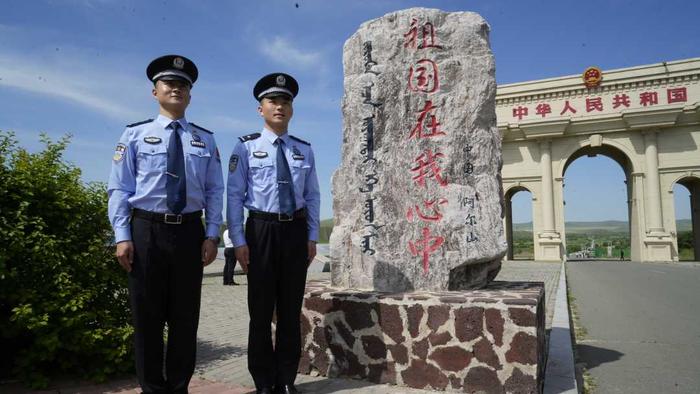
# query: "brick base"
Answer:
x=488 y=340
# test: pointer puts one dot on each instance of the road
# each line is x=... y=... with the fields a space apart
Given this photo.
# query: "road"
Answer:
x=642 y=322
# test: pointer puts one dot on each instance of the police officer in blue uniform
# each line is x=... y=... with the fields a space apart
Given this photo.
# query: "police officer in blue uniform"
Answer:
x=273 y=175
x=165 y=172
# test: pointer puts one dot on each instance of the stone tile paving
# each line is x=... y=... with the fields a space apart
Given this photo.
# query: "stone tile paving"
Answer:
x=223 y=336
x=224 y=319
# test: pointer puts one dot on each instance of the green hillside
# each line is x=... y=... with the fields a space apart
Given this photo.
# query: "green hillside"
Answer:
x=607 y=226
x=324 y=232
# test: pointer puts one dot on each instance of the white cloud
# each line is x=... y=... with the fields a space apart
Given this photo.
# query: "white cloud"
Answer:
x=81 y=82
x=281 y=50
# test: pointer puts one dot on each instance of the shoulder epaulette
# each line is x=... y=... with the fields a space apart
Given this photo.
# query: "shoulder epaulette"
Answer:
x=249 y=137
x=299 y=139
x=140 y=123
x=201 y=128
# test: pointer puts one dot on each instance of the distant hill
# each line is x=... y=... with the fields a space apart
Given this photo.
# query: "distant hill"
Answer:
x=612 y=226
x=607 y=226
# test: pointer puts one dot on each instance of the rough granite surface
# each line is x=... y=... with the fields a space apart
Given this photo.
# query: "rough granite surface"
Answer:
x=417 y=199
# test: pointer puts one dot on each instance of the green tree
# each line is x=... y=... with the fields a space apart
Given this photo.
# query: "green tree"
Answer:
x=63 y=298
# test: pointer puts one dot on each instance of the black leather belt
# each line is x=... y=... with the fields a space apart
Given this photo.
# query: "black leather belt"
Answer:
x=278 y=217
x=167 y=218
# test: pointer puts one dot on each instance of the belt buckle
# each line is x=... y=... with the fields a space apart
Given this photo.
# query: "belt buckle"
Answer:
x=283 y=217
x=177 y=218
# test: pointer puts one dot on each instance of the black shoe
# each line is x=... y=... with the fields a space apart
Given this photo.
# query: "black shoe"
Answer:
x=234 y=284
x=264 y=390
x=229 y=283
x=286 y=389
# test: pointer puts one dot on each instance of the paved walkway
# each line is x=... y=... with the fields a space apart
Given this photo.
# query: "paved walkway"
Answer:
x=223 y=335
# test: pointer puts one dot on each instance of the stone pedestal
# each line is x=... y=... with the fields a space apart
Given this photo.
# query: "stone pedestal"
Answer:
x=490 y=340
x=551 y=246
x=658 y=247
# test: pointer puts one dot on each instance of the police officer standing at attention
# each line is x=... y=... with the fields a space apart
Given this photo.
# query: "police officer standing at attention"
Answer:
x=164 y=173
x=273 y=175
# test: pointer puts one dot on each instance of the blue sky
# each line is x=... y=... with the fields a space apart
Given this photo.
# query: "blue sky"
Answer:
x=78 y=66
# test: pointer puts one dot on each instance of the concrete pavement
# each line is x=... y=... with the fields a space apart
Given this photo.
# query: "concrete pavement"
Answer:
x=642 y=322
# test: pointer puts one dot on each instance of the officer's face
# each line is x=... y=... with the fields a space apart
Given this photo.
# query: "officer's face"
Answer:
x=277 y=111
x=173 y=95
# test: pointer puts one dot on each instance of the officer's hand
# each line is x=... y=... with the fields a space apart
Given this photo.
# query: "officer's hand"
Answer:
x=312 y=252
x=209 y=251
x=242 y=256
x=125 y=254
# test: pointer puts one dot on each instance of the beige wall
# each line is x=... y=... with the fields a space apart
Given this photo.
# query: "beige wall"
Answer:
x=656 y=145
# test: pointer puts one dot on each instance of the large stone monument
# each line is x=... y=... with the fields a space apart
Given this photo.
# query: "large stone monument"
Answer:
x=417 y=233
x=417 y=199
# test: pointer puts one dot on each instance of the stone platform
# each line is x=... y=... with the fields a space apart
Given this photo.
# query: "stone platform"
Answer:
x=477 y=340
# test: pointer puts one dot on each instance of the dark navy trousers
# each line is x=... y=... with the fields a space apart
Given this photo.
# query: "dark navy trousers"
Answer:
x=276 y=282
x=165 y=286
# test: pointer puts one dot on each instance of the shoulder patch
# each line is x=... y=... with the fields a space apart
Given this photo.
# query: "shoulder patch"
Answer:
x=299 y=140
x=249 y=137
x=140 y=123
x=201 y=128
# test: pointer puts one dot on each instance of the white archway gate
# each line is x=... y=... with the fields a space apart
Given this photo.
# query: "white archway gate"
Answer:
x=647 y=118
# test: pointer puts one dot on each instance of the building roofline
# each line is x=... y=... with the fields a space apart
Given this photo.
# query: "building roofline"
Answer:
x=612 y=79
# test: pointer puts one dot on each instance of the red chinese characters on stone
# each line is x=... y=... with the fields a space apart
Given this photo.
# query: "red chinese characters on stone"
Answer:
x=594 y=104
x=427 y=167
x=677 y=95
x=432 y=126
x=431 y=206
x=648 y=98
x=423 y=76
x=621 y=100
x=425 y=246
x=428 y=39
x=543 y=109
x=567 y=107
x=519 y=112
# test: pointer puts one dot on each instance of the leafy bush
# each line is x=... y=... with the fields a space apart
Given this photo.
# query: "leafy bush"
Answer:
x=63 y=297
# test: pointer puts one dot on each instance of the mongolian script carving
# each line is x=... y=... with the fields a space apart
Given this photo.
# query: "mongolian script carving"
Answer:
x=367 y=151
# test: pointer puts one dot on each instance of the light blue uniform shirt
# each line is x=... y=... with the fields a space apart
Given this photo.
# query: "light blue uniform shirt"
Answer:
x=252 y=181
x=138 y=174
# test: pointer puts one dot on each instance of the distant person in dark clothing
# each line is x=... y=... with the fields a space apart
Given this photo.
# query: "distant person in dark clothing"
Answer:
x=230 y=263
x=622 y=254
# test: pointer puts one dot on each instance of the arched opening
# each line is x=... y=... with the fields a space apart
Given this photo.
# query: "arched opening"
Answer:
x=519 y=224
x=686 y=193
x=597 y=205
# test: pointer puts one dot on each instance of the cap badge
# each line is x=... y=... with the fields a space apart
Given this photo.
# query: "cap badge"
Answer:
x=281 y=80
x=178 y=63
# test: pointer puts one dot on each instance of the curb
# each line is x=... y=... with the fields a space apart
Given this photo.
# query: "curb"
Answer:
x=560 y=375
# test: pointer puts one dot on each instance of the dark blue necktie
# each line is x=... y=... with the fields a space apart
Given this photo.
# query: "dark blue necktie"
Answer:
x=176 y=183
x=285 y=187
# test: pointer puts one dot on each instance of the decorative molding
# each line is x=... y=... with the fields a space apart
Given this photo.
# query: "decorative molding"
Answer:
x=655 y=75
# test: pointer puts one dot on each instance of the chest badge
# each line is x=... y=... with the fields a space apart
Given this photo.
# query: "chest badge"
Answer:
x=260 y=155
x=196 y=137
x=296 y=155
x=152 y=140
x=198 y=144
